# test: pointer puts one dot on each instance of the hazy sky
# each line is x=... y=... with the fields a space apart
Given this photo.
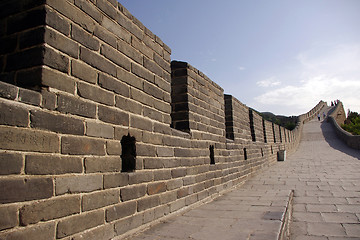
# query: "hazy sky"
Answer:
x=281 y=56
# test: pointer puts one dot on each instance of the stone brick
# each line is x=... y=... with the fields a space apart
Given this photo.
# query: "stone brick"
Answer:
x=120 y=211
x=28 y=38
x=82 y=146
x=10 y=163
x=142 y=48
x=25 y=189
x=56 y=122
x=178 y=172
x=168 y=197
x=113 y=148
x=116 y=57
x=62 y=43
x=129 y=51
x=56 y=60
x=173 y=184
x=129 y=78
x=142 y=72
x=105 y=35
x=49 y=100
x=67 y=104
x=26 y=78
x=51 y=164
x=24 y=139
x=49 y=209
x=83 y=71
x=116 y=180
x=155 y=188
x=44 y=231
x=140 y=177
x=114 y=116
x=25 y=59
x=148 y=202
x=129 y=105
x=56 y=21
x=102 y=232
x=113 y=84
x=164 y=151
x=133 y=192
x=30 y=97
x=94 y=129
x=162 y=174
x=97 y=61
x=130 y=26
x=96 y=94
x=8 y=44
x=102 y=164
x=153 y=90
x=84 y=38
x=180 y=203
x=13 y=114
x=9 y=218
x=77 y=184
x=8 y=91
x=26 y=20
x=116 y=29
x=162 y=63
x=90 y=9
x=127 y=224
x=100 y=199
x=141 y=123
x=57 y=80
x=153 y=67
x=79 y=223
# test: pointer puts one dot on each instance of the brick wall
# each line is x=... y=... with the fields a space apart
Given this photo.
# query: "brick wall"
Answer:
x=101 y=134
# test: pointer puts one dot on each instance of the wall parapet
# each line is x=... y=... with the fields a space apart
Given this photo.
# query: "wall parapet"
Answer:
x=100 y=133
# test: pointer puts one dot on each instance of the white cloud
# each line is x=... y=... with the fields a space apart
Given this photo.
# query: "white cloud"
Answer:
x=241 y=68
x=270 y=82
x=325 y=73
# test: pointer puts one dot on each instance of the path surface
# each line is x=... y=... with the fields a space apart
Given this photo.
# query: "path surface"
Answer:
x=325 y=176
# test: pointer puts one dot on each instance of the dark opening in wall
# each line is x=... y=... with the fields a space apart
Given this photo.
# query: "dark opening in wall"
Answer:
x=212 y=155
x=252 y=129
x=128 y=154
x=245 y=154
x=272 y=151
x=229 y=118
x=262 y=152
x=273 y=128
x=280 y=134
x=264 y=130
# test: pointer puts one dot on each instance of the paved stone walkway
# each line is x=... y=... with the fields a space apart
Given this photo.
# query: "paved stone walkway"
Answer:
x=325 y=176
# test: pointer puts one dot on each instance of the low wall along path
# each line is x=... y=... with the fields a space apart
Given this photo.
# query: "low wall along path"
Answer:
x=100 y=133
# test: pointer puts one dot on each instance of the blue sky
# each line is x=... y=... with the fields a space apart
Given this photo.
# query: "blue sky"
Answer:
x=281 y=56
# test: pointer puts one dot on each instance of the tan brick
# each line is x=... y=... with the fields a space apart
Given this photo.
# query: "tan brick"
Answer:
x=102 y=232
x=120 y=211
x=77 y=184
x=102 y=164
x=148 y=202
x=132 y=192
x=100 y=199
x=116 y=180
x=95 y=129
x=155 y=188
x=49 y=209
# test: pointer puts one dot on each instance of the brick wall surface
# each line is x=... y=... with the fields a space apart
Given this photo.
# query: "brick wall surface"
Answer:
x=101 y=134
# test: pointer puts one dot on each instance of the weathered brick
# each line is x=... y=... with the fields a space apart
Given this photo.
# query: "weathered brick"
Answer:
x=44 y=231
x=116 y=57
x=114 y=116
x=155 y=188
x=116 y=29
x=9 y=218
x=130 y=78
x=94 y=129
x=77 y=184
x=62 y=43
x=100 y=199
x=120 y=211
x=162 y=63
x=83 y=71
x=105 y=35
x=148 y=202
x=48 y=99
x=107 y=8
x=56 y=60
x=142 y=97
x=164 y=151
x=56 y=122
x=150 y=137
x=28 y=39
x=8 y=91
x=142 y=48
x=25 y=189
x=79 y=223
x=164 y=174
x=114 y=84
x=102 y=232
x=84 y=38
x=49 y=209
x=153 y=90
x=82 y=146
x=140 y=177
x=142 y=72
x=146 y=150
x=129 y=105
x=96 y=94
x=97 y=61
x=113 y=148
x=24 y=139
x=67 y=104
x=178 y=172
x=30 y=97
x=141 y=123
x=56 y=21
x=130 y=26
x=90 y=9
x=13 y=114
x=50 y=164
x=116 y=180
x=57 y=80
x=133 y=192
x=102 y=164
x=127 y=224
x=168 y=197
x=10 y=163
x=173 y=184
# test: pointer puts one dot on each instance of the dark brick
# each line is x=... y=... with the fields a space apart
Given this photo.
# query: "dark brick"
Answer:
x=116 y=180
x=97 y=61
x=111 y=115
x=24 y=139
x=95 y=129
x=83 y=71
x=30 y=97
x=102 y=164
x=162 y=63
x=10 y=163
x=101 y=232
x=140 y=177
x=100 y=199
x=78 y=184
x=129 y=78
x=31 y=38
x=9 y=218
x=49 y=209
x=141 y=97
x=142 y=48
x=8 y=44
x=8 y=91
x=26 y=20
x=120 y=211
x=13 y=114
x=116 y=29
x=153 y=90
x=56 y=60
x=148 y=202
x=57 y=80
x=76 y=106
x=142 y=72
x=124 y=225
x=57 y=22
x=141 y=123
x=96 y=94
x=106 y=8
x=113 y=148
x=146 y=150
x=82 y=146
x=155 y=188
x=61 y=43
x=43 y=231
x=130 y=26
x=132 y=192
x=114 y=84
x=50 y=164
x=30 y=78
x=79 y=223
x=25 y=189
x=178 y=172
x=48 y=99
x=116 y=57
x=25 y=59
x=106 y=36
x=84 y=38
x=129 y=51
x=90 y=9
x=129 y=105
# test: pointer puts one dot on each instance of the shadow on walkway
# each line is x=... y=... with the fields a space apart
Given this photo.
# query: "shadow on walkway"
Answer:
x=336 y=143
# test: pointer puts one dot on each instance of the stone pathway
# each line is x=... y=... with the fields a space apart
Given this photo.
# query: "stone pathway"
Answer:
x=325 y=176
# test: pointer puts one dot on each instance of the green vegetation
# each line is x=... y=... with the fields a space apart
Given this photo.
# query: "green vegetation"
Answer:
x=287 y=122
x=352 y=123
